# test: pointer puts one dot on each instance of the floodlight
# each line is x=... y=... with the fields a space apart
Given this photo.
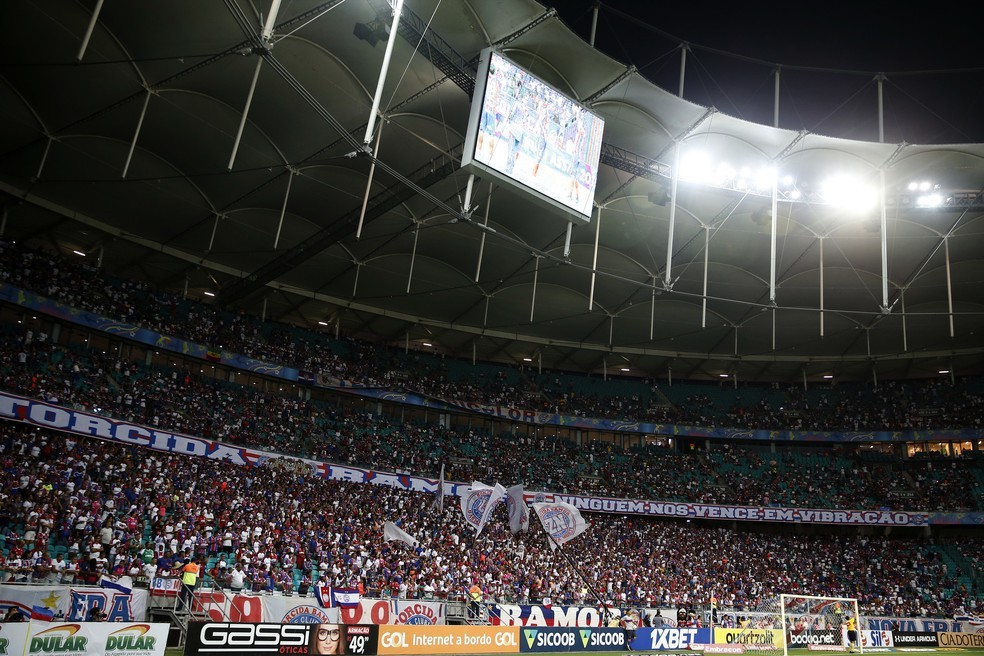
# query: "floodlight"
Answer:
x=849 y=193
x=929 y=200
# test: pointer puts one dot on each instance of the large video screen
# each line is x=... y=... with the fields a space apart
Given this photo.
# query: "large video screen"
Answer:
x=529 y=135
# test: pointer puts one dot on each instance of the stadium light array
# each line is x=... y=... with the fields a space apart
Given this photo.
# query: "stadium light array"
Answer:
x=697 y=166
x=849 y=193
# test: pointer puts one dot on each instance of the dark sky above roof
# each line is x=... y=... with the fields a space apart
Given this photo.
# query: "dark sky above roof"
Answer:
x=934 y=92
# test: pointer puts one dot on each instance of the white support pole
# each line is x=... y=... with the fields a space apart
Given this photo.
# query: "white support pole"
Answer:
x=413 y=254
x=949 y=283
x=604 y=368
x=372 y=173
x=773 y=238
x=567 y=240
x=271 y=20
x=804 y=380
x=874 y=375
x=775 y=100
x=466 y=207
x=536 y=276
x=397 y=10
x=3 y=223
x=652 y=310
x=881 y=107
x=884 y=239
x=474 y=354
x=89 y=29
x=773 y=329
x=905 y=331
x=707 y=245
x=821 y=286
x=355 y=282
x=683 y=67
x=594 y=23
x=669 y=376
x=215 y=228
x=485 y=315
x=245 y=116
x=674 y=180
x=481 y=242
x=136 y=134
x=184 y=294
x=283 y=208
x=263 y=311
x=594 y=261
x=44 y=158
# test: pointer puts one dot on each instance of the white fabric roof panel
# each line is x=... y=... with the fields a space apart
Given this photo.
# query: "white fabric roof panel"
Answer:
x=181 y=213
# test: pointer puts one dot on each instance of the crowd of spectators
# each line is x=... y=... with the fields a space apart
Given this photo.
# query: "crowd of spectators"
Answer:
x=891 y=405
x=114 y=510
x=110 y=509
x=190 y=402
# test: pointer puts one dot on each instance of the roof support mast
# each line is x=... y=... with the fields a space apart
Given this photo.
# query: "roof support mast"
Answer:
x=674 y=181
x=397 y=10
x=271 y=21
x=88 y=30
x=886 y=308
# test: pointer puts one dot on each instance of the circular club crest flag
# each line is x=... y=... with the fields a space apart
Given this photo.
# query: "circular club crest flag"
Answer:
x=561 y=521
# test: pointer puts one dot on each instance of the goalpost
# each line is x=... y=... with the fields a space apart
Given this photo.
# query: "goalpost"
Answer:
x=801 y=622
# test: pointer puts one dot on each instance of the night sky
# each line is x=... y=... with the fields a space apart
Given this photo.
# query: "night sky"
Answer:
x=934 y=92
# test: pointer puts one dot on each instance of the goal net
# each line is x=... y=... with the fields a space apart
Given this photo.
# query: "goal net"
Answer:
x=800 y=622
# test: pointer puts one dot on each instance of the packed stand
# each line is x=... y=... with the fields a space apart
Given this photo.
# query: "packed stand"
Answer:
x=890 y=406
x=95 y=508
x=181 y=400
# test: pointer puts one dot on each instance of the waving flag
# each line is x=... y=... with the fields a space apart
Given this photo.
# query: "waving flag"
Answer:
x=519 y=512
x=561 y=521
x=329 y=597
x=42 y=613
x=478 y=503
x=439 y=495
x=393 y=532
x=123 y=584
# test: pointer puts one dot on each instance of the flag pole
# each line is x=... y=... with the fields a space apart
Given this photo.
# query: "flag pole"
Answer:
x=570 y=561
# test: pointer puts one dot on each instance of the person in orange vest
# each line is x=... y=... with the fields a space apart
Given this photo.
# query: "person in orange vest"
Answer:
x=189 y=579
x=475 y=599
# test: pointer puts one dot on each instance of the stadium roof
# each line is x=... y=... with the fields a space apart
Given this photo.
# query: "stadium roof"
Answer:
x=137 y=155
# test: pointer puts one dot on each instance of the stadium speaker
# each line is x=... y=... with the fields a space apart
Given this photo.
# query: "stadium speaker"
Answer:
x=364 y=32
x=659 y=197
